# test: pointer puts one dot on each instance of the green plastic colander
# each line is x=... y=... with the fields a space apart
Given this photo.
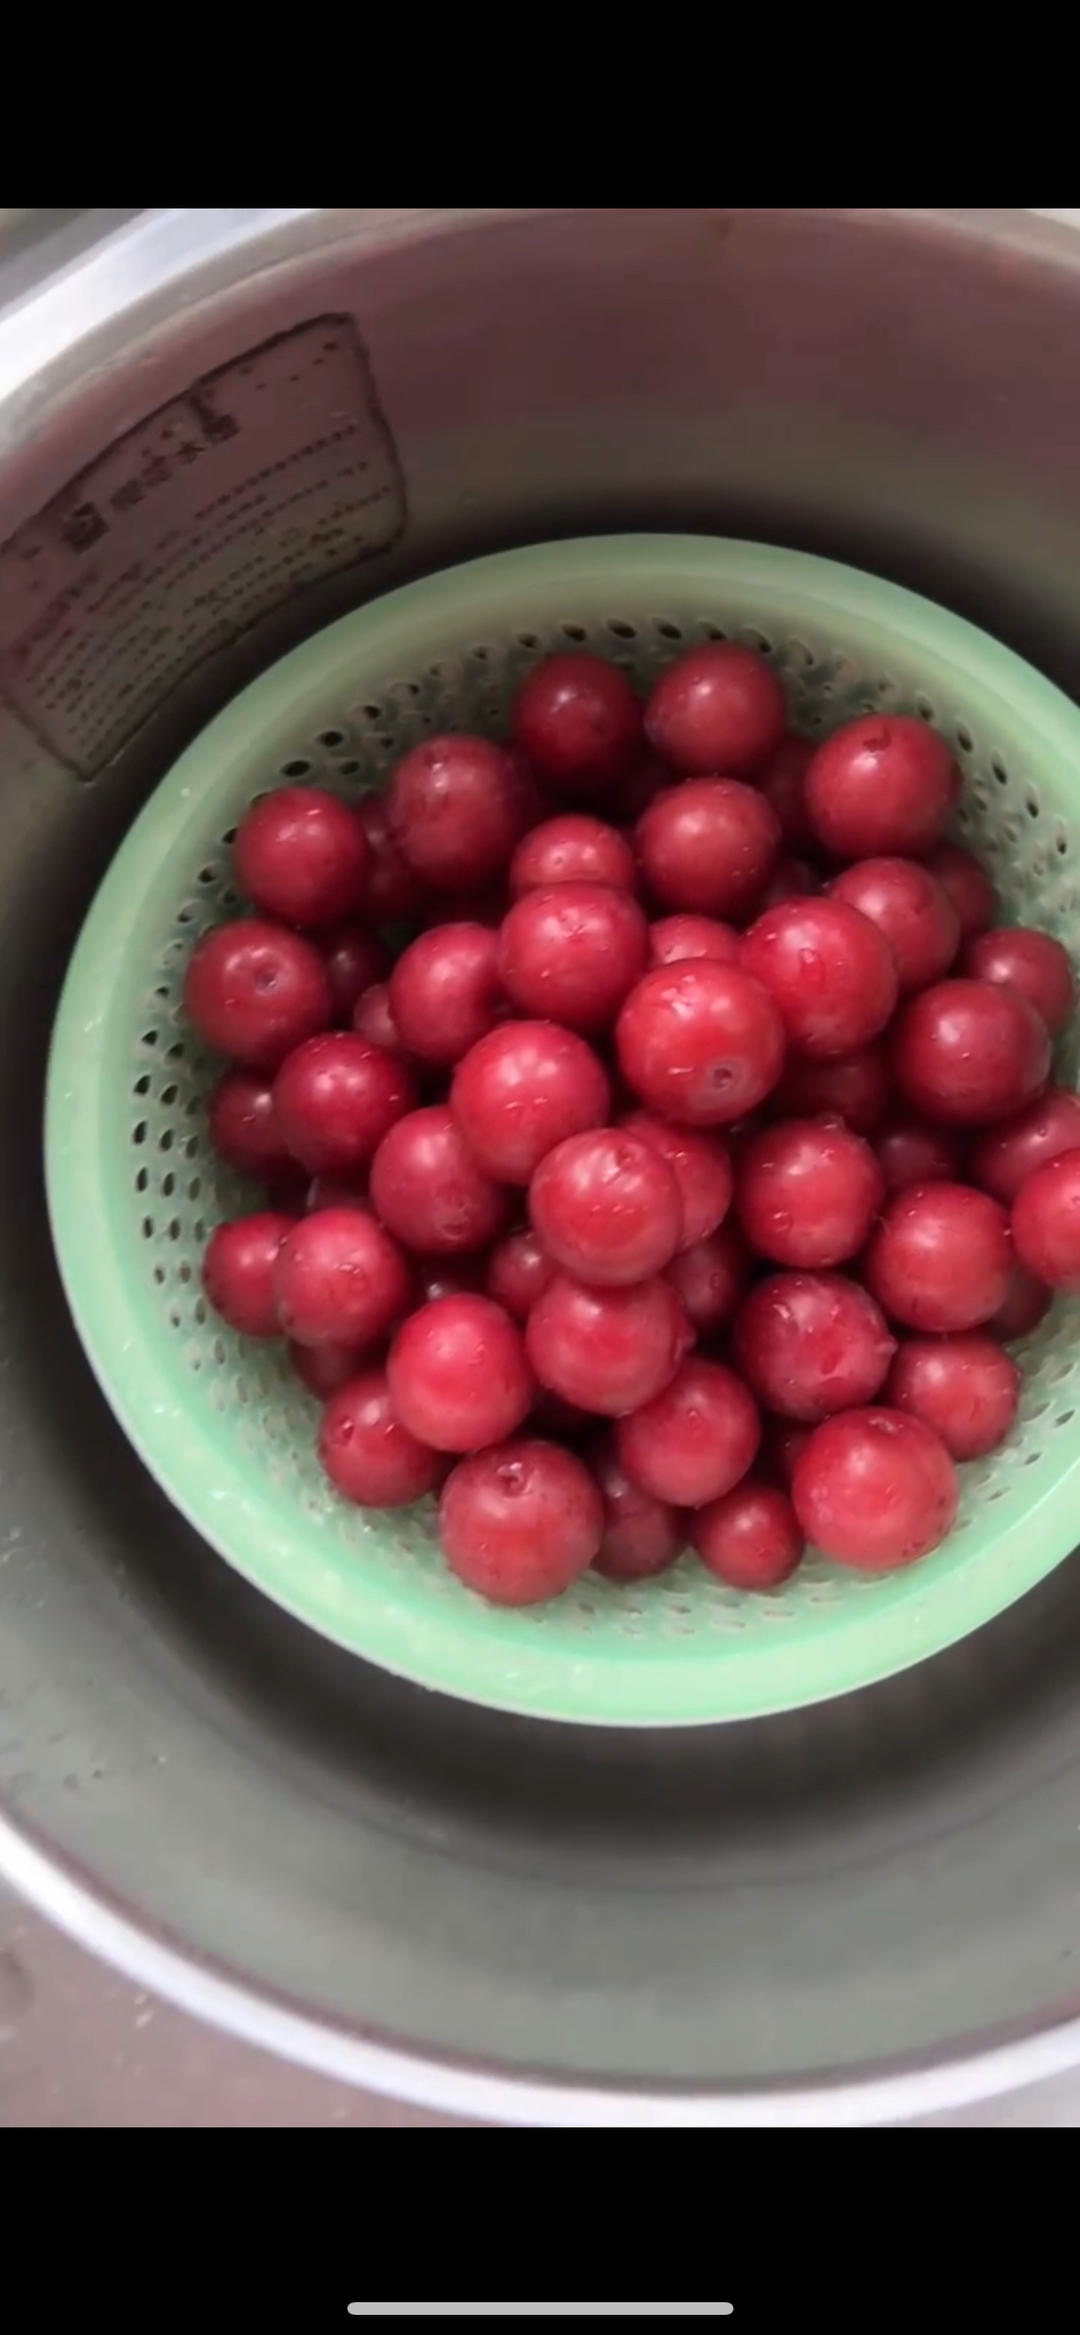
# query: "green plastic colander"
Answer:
x=134 y=1186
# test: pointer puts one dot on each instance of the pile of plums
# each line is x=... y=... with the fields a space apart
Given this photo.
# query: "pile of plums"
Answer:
x=682 y=1170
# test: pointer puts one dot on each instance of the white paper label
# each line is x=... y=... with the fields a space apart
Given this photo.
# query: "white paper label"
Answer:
x=271 y=472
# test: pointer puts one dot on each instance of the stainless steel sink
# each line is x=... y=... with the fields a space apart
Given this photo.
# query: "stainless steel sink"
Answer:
x=864 y=1910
